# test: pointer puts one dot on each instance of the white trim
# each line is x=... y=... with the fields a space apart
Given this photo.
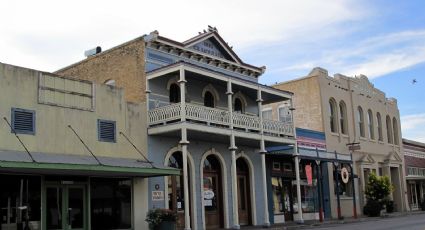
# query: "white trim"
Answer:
x=241 y=97
x=210 y=88
x=252 y=186
x=212 y=151
x=191 y=162
x=173 y=80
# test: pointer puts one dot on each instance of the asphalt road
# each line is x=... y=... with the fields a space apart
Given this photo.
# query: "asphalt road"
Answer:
x=410 y=222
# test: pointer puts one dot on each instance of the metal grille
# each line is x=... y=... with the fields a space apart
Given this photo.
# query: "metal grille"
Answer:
x=23 y=121
x=106 y=130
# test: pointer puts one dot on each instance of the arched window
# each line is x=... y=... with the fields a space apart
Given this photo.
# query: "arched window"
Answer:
x=395 y=132
x=360 y=121
x=343 y=117
x=379 y=120
x=332 y=116
x=389 y=130
x=370 y=124
x=174 y=93
x=238 y=107
x=209 y=99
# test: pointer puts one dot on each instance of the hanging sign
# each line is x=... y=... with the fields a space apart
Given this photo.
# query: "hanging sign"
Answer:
x=309 y=174
x=345 y=176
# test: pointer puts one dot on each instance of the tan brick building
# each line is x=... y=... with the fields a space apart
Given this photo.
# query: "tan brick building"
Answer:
x=347 y=110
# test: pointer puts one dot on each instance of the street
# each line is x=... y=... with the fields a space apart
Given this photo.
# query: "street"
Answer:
x=410 y=222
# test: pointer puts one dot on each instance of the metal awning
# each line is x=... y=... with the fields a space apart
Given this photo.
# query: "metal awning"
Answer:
x=81 y=165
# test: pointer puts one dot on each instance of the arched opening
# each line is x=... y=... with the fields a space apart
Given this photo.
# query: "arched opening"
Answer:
x=395 y=131
x=175 y=189
x=343 y=117
x=370 y=124
x=174 y=93
x=238 y=107
x=244 y=194
x=209 y=99
x=213 y=193
x=379 y=120
x=389 y=130
x=332 y=116
x=360 y=121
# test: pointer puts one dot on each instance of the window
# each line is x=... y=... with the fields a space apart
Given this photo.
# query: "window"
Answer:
x=343 y=117
x=379 y=120
x=276 y=165
x=370 y=124
x=106 y=130
x=174 y=93
x=395 y=132
x=267 y=114
x=360 y=121
x=345 y=189
x=209 y=100
x=110 y=203
x=23 y=121
x=284 y=114
x=389 y=130
x=238 y=107
x=332 y=115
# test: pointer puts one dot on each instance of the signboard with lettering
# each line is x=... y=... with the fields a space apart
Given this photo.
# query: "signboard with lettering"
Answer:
x=157 y=195
x=208 y=47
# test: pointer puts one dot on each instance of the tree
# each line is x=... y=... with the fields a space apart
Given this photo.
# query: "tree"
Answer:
x=377 y=190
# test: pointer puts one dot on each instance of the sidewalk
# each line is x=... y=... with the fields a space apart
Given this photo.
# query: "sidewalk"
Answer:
x=315 y=223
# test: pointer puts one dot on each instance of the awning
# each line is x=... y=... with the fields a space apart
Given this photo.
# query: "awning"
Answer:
x=79 y=165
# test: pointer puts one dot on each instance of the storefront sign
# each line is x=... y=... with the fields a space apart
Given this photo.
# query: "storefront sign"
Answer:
x=157 y=195
x=208 y=194
x=309 y=174
x=345 y=176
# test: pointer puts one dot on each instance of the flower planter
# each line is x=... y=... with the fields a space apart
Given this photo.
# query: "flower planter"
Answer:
x=166 y=225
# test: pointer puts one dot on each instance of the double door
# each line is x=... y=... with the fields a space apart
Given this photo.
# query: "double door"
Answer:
x=66 y=207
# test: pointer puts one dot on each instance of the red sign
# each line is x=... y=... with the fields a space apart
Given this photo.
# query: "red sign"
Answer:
x=309 y=174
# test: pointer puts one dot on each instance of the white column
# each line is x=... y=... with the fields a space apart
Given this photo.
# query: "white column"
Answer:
x=297 y=175
x=263 y=159
x=184 y=144
x=182 y=82
x=233 y=149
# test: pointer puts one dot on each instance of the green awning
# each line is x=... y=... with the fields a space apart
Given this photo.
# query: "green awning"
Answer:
x=84 y=169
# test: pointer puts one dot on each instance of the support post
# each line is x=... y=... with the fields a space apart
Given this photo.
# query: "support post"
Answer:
x=338 y=208
x=354 y=190
x=297 y=175
x=184 y=144
x=182 y=82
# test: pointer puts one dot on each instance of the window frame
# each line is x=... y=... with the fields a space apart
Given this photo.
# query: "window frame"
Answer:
x=333 y=115
x=99 y=121
x=360 y=122
x=343 y=117
x=379 y=124
x=18 y=131
x=371 y=125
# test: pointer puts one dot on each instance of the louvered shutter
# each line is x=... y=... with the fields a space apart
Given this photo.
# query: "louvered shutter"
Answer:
x=23 y=121
x=106 y=130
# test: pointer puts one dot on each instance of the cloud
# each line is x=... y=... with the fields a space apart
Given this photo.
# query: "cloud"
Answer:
x=413 y=127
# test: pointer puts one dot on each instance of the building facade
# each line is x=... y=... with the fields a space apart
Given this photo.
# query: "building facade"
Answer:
x=204 y=117
x=414 y=156
x=72 y=154
x=352 y=112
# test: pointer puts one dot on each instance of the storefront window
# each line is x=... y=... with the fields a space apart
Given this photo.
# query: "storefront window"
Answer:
x=110 y=203
x=20 y=200
x=278 y=195
x=309 y=196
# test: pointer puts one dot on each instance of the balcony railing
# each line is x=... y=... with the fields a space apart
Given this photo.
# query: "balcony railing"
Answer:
x=214 y=116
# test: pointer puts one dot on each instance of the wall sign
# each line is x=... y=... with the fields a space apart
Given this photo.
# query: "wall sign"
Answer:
x=157 y=195
x=345 y=176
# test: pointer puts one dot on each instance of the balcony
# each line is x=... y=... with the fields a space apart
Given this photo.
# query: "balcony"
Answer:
x=218 y=118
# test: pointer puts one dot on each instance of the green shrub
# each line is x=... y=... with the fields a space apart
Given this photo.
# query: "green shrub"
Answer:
x=377 y=190
x=156 y=216
x=372 y=208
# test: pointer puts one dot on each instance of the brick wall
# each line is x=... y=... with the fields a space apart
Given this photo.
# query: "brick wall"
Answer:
x=125 y=64
x=414 y=162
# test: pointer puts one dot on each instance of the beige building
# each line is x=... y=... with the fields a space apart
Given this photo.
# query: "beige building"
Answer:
x=71 y=148
x=348 y=110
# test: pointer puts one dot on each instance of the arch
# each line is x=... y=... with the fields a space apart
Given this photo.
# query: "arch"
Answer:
x=360 y=121
x=174 y=93
x=252 y=187
x=191 y=168
x=343 y=117
x=389 y=130
x=370 y=124
x=333 y=115
x=210 y=88
x=379 y=121
x=242 y=100
x=223 y=166
x=173 y=80
x=395 y=131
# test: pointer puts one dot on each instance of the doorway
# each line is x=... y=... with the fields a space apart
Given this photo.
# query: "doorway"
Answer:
x=244 y=198
x=66 y=207
x=213 y=200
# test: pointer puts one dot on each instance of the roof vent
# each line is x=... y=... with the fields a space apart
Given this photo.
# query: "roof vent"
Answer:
x=93 y=51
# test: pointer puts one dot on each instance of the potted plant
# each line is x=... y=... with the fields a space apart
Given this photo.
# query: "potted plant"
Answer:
x=377 y=190
x=161 y=219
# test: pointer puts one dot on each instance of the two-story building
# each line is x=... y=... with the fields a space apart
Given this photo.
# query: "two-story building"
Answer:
x=204 y=117
x=352 y=112
x=72 y=154
x=414 y=158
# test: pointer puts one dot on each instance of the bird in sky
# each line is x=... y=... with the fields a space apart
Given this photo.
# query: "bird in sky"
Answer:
x=414 y=81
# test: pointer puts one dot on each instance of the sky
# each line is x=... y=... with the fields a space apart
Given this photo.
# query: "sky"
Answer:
x=384 y=40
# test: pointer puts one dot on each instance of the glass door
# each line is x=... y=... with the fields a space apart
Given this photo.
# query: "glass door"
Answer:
x=65 y=207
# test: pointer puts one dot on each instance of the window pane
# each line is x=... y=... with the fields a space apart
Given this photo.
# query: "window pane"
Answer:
x=267 y=114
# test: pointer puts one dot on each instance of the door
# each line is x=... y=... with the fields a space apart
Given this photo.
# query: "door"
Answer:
x=65 y=207
x=287 y=200
x=212 y=201
x=243 y=202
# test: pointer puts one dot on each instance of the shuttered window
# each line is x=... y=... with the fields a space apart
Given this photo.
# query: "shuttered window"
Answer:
x=106 y=130
x=23 y=121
